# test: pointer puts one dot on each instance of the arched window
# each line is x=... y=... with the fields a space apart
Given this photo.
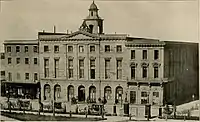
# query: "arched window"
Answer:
x=81 y=93
x=118 y=94
x=57 y=91
x=70 y=91
x=47 y=92
x=92 y=93
x=91 y=28
x=107 y=92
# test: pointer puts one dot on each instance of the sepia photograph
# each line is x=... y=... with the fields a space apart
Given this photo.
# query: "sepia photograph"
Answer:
x=99 y=60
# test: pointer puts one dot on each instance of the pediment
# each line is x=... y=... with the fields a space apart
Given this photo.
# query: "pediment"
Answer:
x=80 y=35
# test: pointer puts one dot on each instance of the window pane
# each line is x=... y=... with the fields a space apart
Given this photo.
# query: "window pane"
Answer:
x=8 y=49
x=144 y=75
x=17 y=60
x=92 y=48
x=56 y=49
x=155 y=72
x=9 y=60
x=26 y=49
x=35 y=49
x=132 y=72
x=35 y=60
x=70 y=48
x=119 y=48
x=132 y=54
x=107 y=48
x=26 y=76
x=132 y=96
x=92 y=73
x=46 y=48
x=81 y=49
x=156 y=54
x=17 y=48
x=144 y=54
x=92 y=63
x=26 y=61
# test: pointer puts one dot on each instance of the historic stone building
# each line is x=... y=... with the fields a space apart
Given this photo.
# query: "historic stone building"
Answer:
x=87 y=65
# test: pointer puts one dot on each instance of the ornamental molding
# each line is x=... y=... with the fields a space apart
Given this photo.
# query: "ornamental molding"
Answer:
x=92 y=58
x=144 y=64
x=155 y=64
x=70 y=57
x=133 y=64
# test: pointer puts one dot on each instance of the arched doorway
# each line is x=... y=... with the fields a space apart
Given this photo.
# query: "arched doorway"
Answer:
x=107 y=93
x=47 y=92
x=57 y=91
x=81 y=93
x=70 y=92
x=118 y=94
x=92 y=94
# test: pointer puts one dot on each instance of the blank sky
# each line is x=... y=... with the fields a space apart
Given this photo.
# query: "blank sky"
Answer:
x=164 y=20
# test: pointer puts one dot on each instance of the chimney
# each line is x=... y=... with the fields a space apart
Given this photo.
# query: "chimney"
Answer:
x=43 y=31
x=54 y=29
x=67 y=31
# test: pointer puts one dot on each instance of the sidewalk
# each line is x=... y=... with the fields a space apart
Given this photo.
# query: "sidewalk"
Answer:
x=4 y=118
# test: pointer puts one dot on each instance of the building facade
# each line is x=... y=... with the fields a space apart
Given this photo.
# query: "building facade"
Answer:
x=21 y=68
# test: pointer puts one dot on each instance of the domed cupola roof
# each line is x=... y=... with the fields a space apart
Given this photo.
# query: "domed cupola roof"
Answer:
x=93 y=6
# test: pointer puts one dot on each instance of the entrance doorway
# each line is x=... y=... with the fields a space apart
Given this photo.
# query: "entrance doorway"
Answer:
x=81 y=93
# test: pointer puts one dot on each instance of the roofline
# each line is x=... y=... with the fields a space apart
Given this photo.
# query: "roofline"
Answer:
x=51 y=33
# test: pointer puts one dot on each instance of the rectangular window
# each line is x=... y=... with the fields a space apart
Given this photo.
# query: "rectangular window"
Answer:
x=26 y=61
x=92 y=69
x=17 y=60
x=133 y=73
x=81 y=49
x=8 y=49
x=70 y=73
x=156 y=54
x=18 y=76
x=10 y=76
x=132 y=54
x=107 y=68
x=107 y=48
x=46 y=68
x=132 y=97
x=17 y=48
x=144 y=72
x=70 y=66
x=35 y=49
x=2 y=73
x=26 y=76
x=119 y=48
x=70 y=48
x=9 y=60
x=144 y=54
x=26 y=49
x=35 y=61
x=119 y=69
x=56 y=68
x=2 y=55
x=56 y=49
x=144 y=98
x=92 y=48
x=155 y=94
x=81 y=68
x=155 y=72
x=35 y=76
x=46 y=48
